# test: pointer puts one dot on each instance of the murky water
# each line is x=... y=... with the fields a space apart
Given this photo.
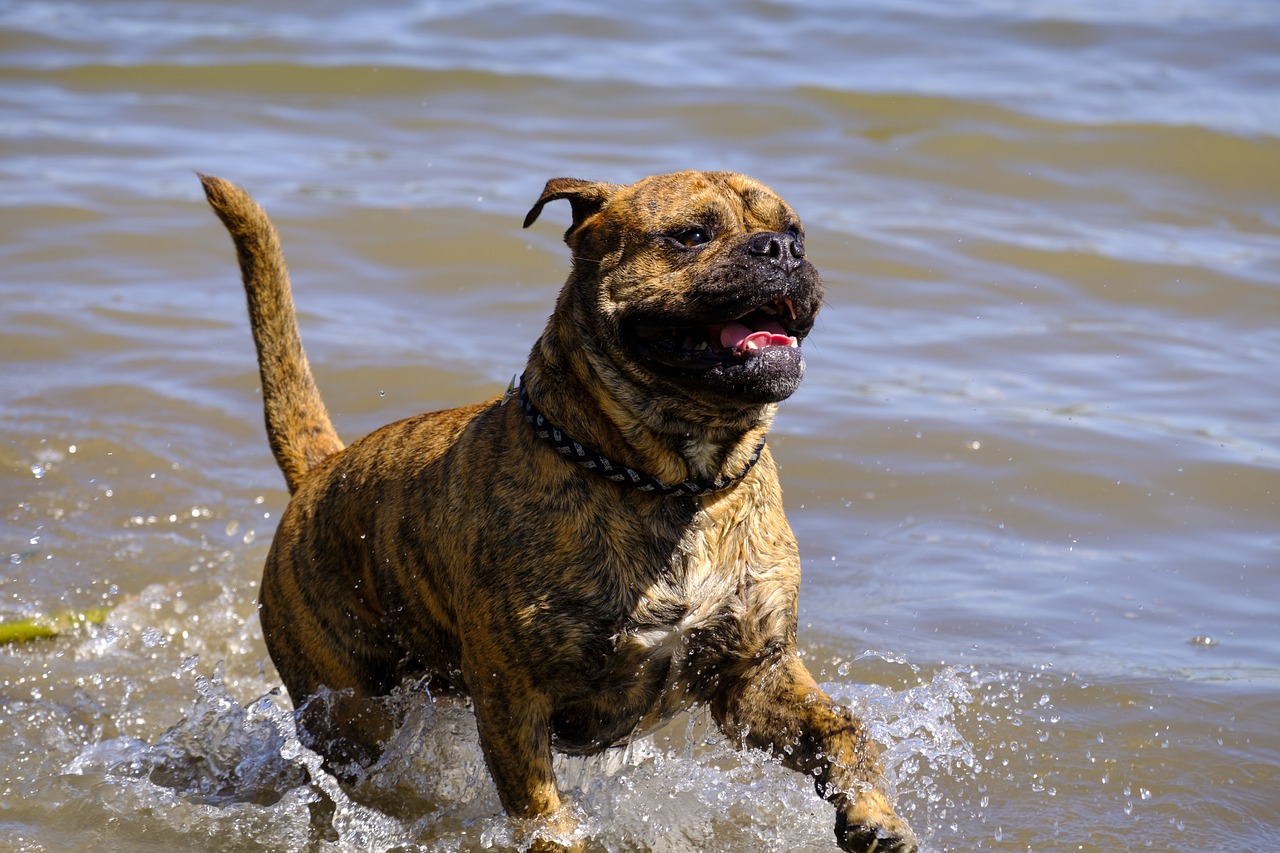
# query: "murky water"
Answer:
x=1034 y=469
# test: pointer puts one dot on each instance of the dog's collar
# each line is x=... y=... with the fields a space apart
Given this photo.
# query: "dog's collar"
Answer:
x=599 y=464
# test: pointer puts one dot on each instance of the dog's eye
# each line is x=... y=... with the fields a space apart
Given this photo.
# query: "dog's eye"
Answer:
x=691 y=237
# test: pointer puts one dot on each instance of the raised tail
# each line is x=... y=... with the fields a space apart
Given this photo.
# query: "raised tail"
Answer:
x=298 y=425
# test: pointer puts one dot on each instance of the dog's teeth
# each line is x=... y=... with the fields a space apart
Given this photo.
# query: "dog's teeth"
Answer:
x=701 y=346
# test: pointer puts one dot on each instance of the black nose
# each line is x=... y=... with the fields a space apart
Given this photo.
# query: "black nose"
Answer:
x=785 y=250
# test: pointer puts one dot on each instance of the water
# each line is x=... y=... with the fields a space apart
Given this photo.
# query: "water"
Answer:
x=1033 y=469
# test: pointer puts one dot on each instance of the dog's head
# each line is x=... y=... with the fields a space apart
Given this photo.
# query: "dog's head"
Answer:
x=694 y=283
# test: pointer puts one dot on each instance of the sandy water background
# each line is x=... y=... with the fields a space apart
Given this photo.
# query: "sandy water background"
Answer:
x=1034 y=468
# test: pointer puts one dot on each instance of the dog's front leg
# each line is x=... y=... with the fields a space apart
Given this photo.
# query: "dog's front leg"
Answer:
x=776 y=705
x=514 y=723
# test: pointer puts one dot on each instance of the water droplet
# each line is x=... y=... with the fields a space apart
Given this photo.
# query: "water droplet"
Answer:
x=152 y=637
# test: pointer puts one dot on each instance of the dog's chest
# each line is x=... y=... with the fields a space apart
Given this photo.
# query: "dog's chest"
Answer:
x=661 y=651
x=697 y=591
x=686 y=611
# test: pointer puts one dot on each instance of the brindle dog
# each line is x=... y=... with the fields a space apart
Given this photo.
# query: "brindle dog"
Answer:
x=592 y=553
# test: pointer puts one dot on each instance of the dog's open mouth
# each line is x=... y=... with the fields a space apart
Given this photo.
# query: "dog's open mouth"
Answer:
x=710 y=344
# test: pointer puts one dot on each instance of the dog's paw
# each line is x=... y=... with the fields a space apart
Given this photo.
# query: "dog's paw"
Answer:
x=544 y=845
x=557 y=832
x=873 y=839
x=872 y=827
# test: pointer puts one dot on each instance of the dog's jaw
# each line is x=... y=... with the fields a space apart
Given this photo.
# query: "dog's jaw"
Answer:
x=737 y=340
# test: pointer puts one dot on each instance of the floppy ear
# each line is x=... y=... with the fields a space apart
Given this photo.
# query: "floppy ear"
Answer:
x=585 y=197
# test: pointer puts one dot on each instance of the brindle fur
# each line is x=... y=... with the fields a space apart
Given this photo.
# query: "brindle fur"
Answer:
x=573 y=611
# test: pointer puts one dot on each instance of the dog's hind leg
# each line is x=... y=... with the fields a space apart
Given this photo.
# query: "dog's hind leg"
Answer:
x=348 y=730
x=335 y=666
x=778 y=706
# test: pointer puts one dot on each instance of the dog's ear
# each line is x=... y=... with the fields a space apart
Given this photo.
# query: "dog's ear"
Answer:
x=585 y=197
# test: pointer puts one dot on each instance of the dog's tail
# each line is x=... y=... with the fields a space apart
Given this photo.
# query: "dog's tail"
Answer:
x=298 y=426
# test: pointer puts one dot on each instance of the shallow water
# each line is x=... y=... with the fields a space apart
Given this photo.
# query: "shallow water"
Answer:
x=1034 y=468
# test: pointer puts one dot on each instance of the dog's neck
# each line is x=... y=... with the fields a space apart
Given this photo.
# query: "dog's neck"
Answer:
x=638 y=431
x=609 y=469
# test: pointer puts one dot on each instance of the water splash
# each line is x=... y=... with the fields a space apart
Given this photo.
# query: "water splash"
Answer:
x=233 y=770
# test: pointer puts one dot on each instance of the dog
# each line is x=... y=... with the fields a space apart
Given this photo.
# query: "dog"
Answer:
x=590 y=552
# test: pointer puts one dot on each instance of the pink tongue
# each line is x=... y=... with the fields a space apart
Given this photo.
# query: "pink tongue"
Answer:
x=738 y=336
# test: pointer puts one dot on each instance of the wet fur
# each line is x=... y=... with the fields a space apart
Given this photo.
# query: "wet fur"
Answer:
x=459 y=546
